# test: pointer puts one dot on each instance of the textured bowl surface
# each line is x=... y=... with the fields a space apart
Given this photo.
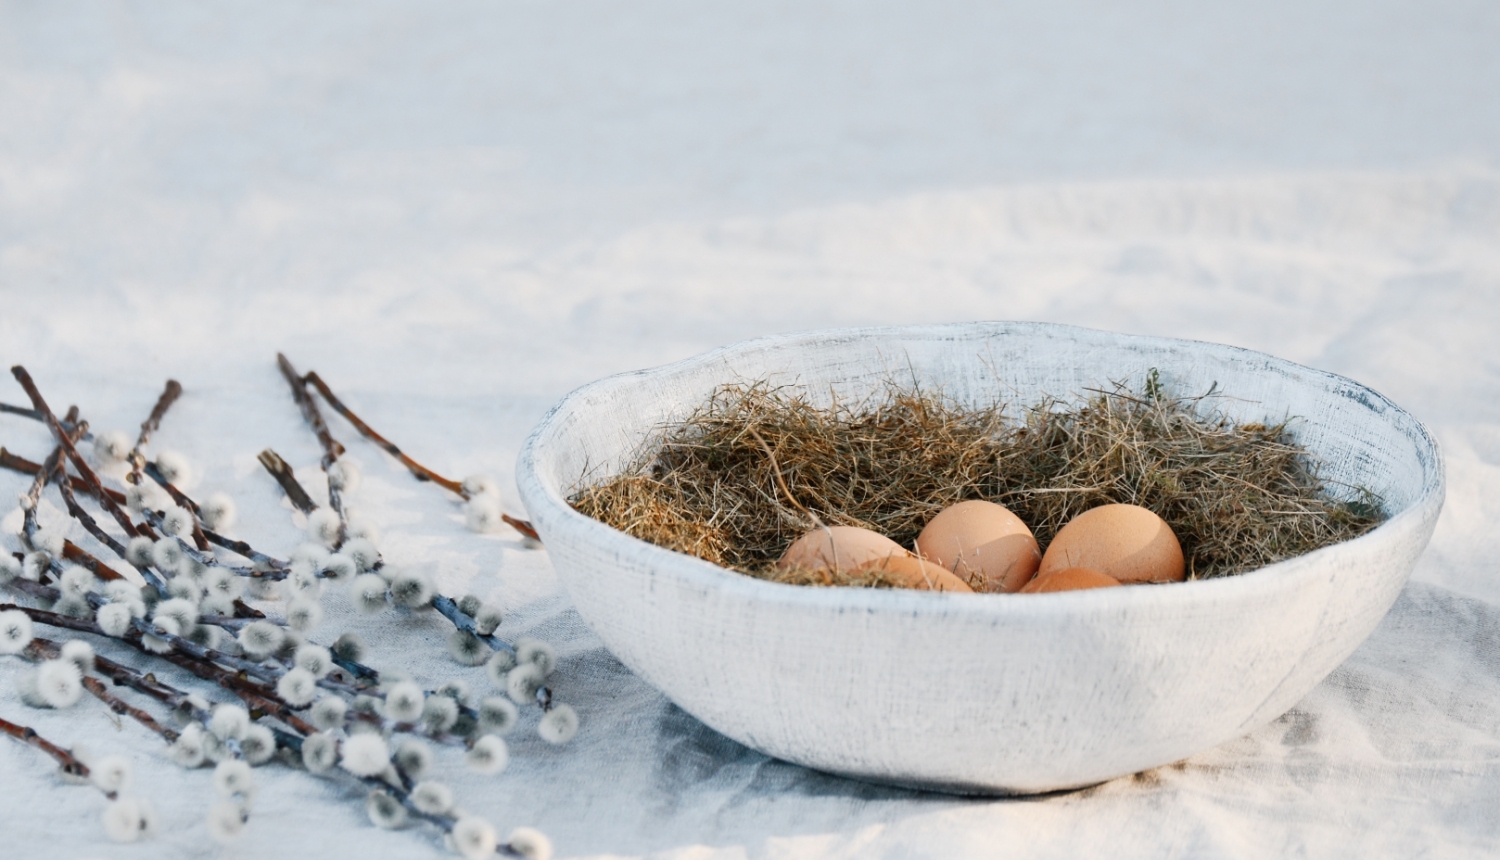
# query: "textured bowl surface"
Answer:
x=987 y=693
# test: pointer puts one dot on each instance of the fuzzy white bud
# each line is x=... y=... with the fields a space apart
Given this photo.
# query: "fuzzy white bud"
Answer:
x=219 y=512
x=368 y=593
x=50 y=541
x=323 y=525
x=530 y=843
x=412 y=589
x=385 y=811
x=77 y=581
x=167 y=555
x=340 y=569
x=138 y=551
x=320 y=752
x=297 y=687
x=350 y=648
x=183 y=611
x=431 y=797
x=474 y=838
x=177 y=521
x=467 y=649
x=226 y=820
x=304 y=614
x=59 y=683
x=313 y=659
x=111 y=445
x=79 y=653
x=365 y=754
x=403 y=702
x=481 y=485
x=233 y=777
x=328 y=713
x=15 y=631
x=114 y=619
x=260 y=639
x=558 y=725
x=413 y=757
x=344 y=475
x=499 y=666
x=439 y=713
x=229 y=722
x=111 y=773
x=222 y=583
x=362 y=552
x=522 y=682
x=482 y=515
x=127 y=819
x=537 y=653
x=258 y=744
x=175 y=469
x=487 y=619
x=187 y=751
x=488 y=756
x=497 y=716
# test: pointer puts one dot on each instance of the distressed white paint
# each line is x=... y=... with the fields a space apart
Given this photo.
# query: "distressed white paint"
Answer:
x=984 y=693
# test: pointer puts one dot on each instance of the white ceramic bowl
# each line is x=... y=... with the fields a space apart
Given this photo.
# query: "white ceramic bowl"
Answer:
x=985 y=693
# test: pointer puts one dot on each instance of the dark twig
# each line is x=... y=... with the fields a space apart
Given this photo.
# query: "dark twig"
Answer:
x=282 y=472
x=332 y=449
x=37 y=416
x=46 y=649
x=16 y=463
x=28 y=735
x=79 y=462
x=92 y=527
x=137 y=458
x=182 y=501
x=421 y=472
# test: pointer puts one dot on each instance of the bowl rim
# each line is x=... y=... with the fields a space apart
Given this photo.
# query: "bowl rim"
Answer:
x=550 y=511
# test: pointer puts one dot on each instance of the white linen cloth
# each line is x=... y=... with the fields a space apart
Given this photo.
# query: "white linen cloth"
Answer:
x=411 y=203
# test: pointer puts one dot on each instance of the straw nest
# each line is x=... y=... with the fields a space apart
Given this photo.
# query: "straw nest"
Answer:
x=752 y=469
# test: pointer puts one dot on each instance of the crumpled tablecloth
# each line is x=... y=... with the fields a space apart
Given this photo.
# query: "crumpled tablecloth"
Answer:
x=187 y=213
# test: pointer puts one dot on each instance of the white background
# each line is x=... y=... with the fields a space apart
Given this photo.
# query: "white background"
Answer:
x=457 y=212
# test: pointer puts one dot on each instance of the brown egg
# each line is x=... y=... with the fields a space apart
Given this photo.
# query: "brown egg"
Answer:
x=912 y=572
x=1069 y=579
x=983 y=543
x=1126 y=542
x=839 y=548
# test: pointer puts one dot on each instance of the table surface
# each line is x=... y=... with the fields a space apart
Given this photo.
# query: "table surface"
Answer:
x=457 y=215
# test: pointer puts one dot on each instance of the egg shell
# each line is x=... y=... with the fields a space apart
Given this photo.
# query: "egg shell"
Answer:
x=1069 y=579
x=983 y=543
x=912 y=572
x=839 y=548
x=1127 y=542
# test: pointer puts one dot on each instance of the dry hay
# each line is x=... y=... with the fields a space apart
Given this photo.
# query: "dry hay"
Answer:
x=1239 y=496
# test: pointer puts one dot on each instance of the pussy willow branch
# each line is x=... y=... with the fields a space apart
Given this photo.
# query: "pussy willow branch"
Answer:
x=46 y=649
x=37 y=416
x=137 y=457
x=199 y=540
x=332 y=449
x=84 y=470
x=76 y=510
x=17 y=463
x=65 y=759
x=43 y=475
x=421 y=472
